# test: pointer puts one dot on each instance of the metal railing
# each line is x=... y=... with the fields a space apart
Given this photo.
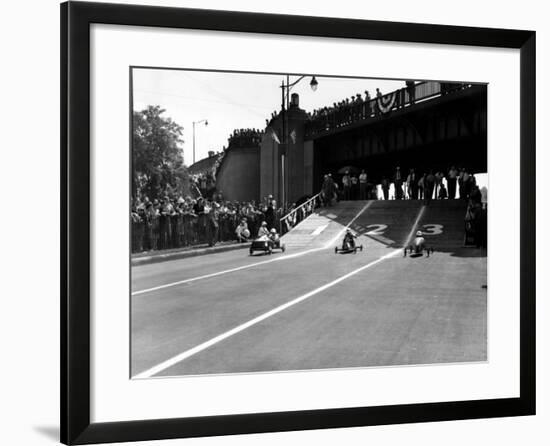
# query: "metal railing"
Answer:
x=296 y=215
x=342 y=116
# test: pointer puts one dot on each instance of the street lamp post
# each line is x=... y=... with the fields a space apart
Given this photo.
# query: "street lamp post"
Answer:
x=285 y=105
x=197 y=122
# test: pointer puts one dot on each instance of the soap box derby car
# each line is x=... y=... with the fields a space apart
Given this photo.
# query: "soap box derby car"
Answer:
x=266 y=245
x=418 y=247
x=348 y=244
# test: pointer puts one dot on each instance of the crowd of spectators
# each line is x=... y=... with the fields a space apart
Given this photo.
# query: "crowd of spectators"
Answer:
x=245 y=138
x=360 y=106
x=413 y=185
x=363 y=105
x=176 y=222
x=203 y=183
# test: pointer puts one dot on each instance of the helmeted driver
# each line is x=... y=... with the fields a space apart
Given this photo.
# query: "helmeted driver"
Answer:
x=273 y=235
x=263 y=230
x=349 y=240
x=419 y=242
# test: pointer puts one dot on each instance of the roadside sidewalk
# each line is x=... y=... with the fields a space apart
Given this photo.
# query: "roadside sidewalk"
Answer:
x=144 y=258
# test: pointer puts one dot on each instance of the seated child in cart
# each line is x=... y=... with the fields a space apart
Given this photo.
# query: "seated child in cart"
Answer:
x=419 y=242
x=274 y=236
x=349 y=240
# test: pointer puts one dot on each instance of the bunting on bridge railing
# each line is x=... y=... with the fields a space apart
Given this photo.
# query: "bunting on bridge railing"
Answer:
x=385 y=103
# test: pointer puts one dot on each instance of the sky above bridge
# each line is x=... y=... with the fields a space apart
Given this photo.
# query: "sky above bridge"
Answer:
x=234 y=100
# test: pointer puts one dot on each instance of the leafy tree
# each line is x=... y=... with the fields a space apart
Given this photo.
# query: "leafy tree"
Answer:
x=157 y=159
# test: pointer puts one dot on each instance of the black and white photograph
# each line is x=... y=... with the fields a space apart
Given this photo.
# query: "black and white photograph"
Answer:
x=299 y=221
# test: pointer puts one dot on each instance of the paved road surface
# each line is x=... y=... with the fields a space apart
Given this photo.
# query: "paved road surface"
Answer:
x=229 y=312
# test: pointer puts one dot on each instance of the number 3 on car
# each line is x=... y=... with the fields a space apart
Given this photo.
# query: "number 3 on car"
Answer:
x=432 y=229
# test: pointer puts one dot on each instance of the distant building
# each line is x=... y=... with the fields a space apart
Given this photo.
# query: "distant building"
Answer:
x=238 y=173
x=205 y=165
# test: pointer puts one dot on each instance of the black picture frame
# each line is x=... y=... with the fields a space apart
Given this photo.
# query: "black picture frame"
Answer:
x=76 y=18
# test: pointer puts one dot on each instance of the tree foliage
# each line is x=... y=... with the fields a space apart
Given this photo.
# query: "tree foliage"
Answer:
x=157 y=158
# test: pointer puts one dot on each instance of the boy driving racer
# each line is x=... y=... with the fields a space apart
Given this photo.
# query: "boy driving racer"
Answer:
x=349 y=240
x=274 y=236
x=263 y=230
x=419 y=242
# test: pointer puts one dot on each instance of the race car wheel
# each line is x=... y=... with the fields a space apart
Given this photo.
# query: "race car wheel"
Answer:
x=283 y=248
x=269 y=250
x=251 y=251
x=335 y=250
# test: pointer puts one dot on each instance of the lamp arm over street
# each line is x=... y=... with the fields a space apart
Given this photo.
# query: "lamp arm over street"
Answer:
x=285 y=105
x=205 y=121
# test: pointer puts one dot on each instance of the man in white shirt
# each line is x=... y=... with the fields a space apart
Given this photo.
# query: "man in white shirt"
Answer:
x=451 y=182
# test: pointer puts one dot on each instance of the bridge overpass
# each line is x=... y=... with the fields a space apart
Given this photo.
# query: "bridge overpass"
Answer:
x=434 y=127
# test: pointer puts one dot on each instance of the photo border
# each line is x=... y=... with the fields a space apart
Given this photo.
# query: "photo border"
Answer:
x=76 y=18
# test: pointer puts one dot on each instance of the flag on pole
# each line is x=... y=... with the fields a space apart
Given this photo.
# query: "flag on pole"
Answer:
x=293 y=136
x=275 y=137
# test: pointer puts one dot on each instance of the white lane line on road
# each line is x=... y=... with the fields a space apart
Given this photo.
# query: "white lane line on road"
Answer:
x=415 y=224
x=199 y=348
x=341 y=232
x=219 y=273
x=251 y=265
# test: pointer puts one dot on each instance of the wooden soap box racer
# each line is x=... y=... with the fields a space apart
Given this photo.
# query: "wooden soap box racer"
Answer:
x=348 y=244
x=418 y=247
x=267 y=243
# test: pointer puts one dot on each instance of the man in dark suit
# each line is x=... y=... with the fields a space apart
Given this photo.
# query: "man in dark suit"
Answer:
x=398 y=183
x=429 y=184
x=198 y=210
x=412 y=182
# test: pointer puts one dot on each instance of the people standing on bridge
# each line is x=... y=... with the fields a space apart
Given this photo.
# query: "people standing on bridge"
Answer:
x=420 y=185
x=442 y=192
x=346 y=185
x=483 y=191
x=378 y=101
x=461 y=192
x=385 y=184
x=398 y=183
x=469 y=182
x=359 y=105
x=411 y=91
x=412 y=185
x=353 y=108
x=475 y=195
x=368 y=104
x=354 y=187
x=429 y=183
x=438 y=183
x=363 y=185
x=451 y=182
x=328 y=190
